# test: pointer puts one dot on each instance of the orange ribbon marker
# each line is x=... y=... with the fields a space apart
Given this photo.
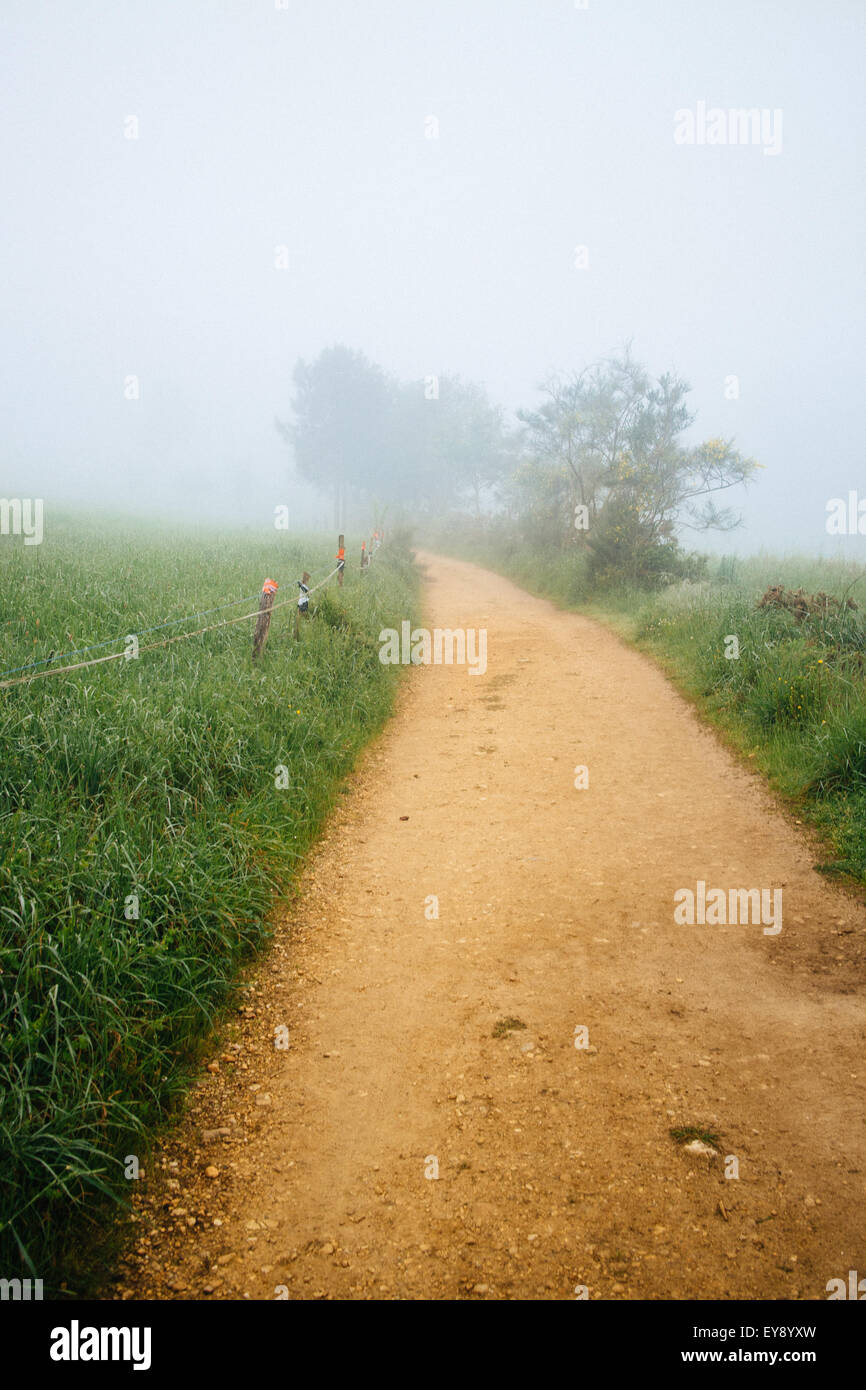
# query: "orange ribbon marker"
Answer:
x=270 y=586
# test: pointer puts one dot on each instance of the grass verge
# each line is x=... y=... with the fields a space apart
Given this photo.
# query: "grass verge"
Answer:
x=150 y=809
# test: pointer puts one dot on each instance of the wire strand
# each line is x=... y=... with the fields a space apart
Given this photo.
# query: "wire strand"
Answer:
x=151 y=646
x=143 y=632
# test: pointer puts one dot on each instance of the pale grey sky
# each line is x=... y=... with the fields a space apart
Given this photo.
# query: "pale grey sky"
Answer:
x=306 y=127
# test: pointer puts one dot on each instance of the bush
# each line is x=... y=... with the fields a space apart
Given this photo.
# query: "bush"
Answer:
x=789 y=689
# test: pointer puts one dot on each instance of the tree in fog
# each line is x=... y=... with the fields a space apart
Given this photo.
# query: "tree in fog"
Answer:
x=466 y=448
x=339 y=435
x=604 y=450
x=362 y=434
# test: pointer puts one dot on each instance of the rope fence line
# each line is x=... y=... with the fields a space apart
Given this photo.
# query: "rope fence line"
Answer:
x=264 y=610
x=334 y=571
x=142 y=632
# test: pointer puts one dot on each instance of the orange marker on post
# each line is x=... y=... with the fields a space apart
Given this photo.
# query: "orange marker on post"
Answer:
x=263 y=621
x=341 y=559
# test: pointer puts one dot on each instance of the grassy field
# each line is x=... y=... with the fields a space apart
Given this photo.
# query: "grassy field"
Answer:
x=149 y=786
x=793 y=701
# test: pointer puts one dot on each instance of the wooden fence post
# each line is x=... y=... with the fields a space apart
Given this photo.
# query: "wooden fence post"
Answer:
x=341 y=559
x=263 y=621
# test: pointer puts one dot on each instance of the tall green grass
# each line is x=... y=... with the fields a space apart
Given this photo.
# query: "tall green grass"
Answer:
x=152 y=778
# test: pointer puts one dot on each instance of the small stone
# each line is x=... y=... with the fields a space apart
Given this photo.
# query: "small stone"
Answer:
x=211 y=1172
x=328 y=1249
x=481 y=1288
x=213 y=1066
x=700 y=1149
x=263 y=1098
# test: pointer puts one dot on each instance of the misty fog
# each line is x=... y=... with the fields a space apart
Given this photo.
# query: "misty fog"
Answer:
x=197 y=194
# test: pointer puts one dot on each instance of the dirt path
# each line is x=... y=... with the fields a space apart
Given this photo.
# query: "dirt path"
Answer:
x=556 y=1167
